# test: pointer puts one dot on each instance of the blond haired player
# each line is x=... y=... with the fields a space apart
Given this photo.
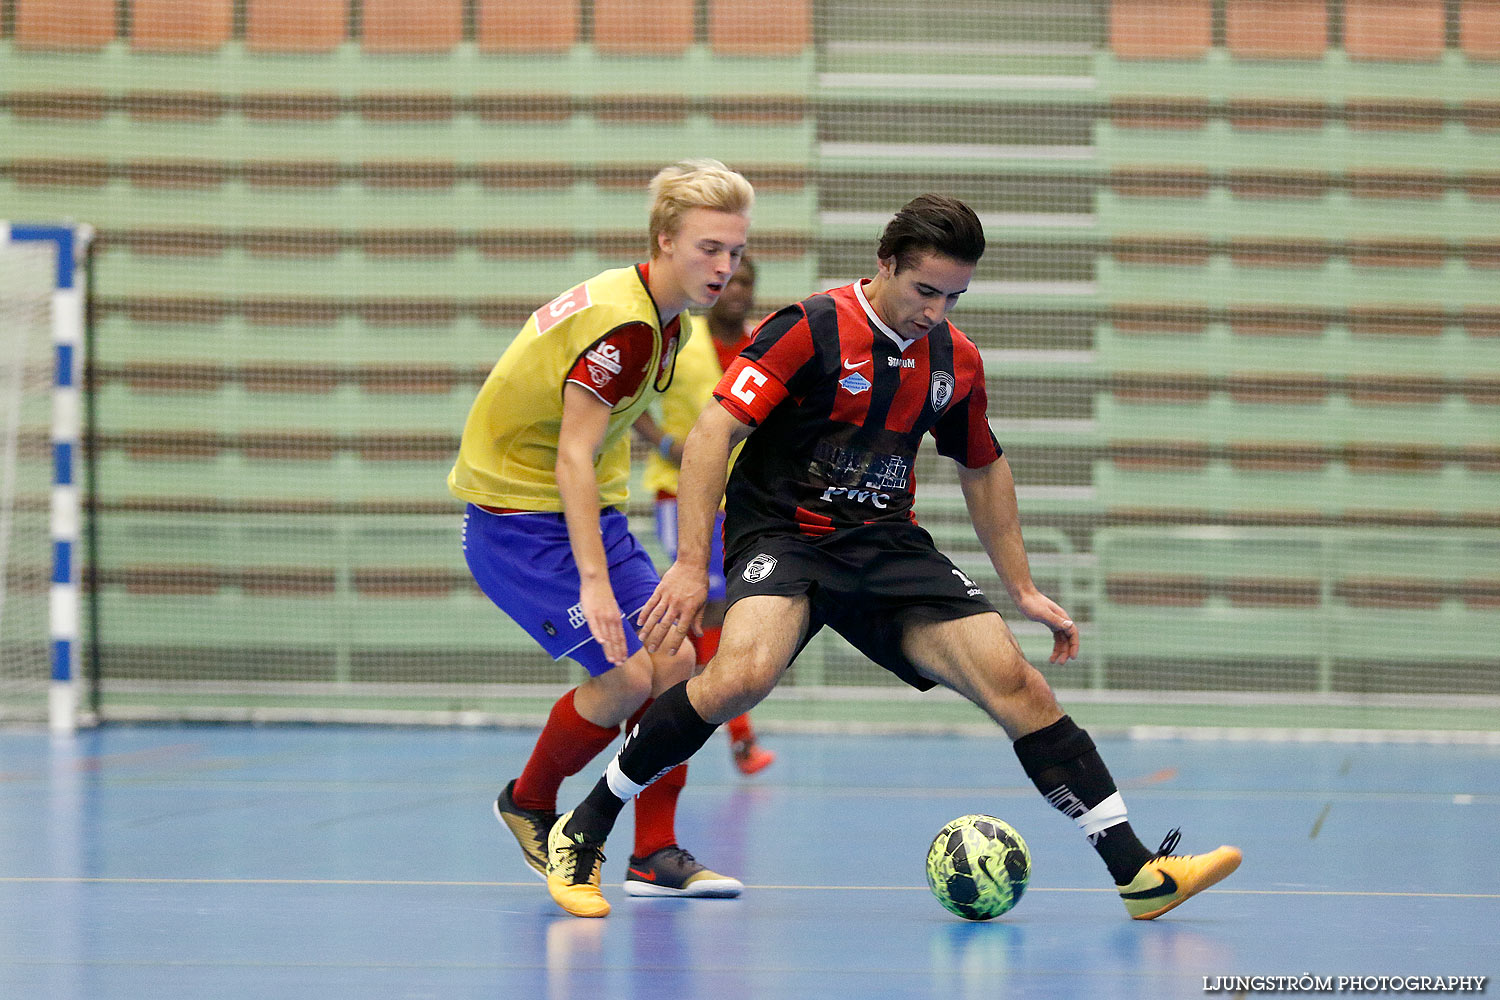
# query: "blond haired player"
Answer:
x=544 y=466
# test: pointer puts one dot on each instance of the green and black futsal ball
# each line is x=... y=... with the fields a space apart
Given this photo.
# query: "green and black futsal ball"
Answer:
x=978 y=866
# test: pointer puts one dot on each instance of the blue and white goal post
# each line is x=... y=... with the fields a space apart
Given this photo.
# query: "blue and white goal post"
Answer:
x=68 y=245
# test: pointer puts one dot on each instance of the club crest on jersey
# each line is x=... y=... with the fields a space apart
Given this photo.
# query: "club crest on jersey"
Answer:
x=759 y=568
x=855 y=383
x=942 y=389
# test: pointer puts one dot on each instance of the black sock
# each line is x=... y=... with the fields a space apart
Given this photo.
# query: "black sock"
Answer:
x=669 y=733
x=1066 y=768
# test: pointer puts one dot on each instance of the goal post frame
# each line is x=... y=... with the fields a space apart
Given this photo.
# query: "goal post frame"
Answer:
x=65 y=599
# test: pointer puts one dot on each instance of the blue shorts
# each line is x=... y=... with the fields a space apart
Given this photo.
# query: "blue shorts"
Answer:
x=523 y=563
x=666 y=533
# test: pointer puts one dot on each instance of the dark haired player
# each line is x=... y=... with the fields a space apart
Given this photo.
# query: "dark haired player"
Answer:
x=832 y=400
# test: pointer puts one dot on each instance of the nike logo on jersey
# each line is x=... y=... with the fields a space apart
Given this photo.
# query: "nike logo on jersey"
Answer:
x=849 y=368
x=1168 y=887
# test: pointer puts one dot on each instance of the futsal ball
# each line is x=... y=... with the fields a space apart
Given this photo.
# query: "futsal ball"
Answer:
x=978 y=867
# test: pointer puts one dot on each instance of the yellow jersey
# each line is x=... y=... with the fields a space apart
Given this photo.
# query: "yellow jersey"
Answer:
x=605 y=335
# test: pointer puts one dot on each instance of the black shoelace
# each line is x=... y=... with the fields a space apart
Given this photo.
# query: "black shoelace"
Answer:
x=585 y=857
x=1168 y=844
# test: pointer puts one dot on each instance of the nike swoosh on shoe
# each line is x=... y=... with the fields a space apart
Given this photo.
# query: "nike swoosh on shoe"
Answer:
x=1167 y=887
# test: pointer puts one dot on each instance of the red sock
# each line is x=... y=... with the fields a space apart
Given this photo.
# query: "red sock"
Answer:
x=656 y=812
x=567 y=743
x=707 y=644
x=739 y=729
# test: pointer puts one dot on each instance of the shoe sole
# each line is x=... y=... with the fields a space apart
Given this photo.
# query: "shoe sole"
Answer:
x=726 y=888
x=1211 y=877
x=541 y=872
x=598 y=906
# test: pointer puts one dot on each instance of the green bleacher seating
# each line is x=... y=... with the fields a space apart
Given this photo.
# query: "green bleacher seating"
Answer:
x=1320 y=610
x=313 y=590
x=1241 y=273
x=1307 y=408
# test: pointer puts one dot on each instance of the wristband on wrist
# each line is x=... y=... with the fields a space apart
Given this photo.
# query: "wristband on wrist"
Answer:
x=664 y=448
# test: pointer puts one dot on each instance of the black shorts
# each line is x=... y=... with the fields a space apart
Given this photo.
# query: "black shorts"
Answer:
x=867 y=583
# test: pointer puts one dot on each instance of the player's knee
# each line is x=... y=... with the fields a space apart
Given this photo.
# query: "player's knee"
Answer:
x=732 y=685
x=757 y=683
x=1031 y=692
x=634 y=680
x=1006 y=687
x=609 y=698
x=718 y=701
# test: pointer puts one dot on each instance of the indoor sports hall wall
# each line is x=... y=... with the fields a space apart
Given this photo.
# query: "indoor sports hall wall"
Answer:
x=1240 y=315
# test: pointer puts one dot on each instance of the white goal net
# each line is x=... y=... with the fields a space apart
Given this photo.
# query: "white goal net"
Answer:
x=26 y=283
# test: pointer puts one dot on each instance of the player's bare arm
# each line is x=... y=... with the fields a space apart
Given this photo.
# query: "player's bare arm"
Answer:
x=677 y=605
x=990 y=495
x=585 y=420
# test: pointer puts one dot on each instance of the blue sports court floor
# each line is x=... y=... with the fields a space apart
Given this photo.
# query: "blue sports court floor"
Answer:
x=329 y=862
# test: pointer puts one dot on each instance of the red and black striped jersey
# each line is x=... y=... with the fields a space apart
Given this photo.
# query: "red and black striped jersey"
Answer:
x=840 y=405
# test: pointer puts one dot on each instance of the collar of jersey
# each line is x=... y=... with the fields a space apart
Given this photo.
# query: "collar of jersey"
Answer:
x=901 y=342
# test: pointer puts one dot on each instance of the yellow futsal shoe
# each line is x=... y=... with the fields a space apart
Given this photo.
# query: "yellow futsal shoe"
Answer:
x=1169 y=879
x=573 y=865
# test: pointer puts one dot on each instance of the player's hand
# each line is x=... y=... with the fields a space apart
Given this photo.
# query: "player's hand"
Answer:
x=602 y=612
x=675 y=609
x=1041 y=608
